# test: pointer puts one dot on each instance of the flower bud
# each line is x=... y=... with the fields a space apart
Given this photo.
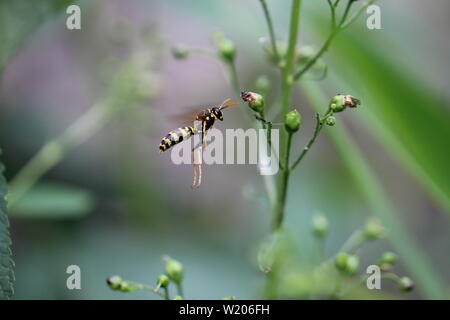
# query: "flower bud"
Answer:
x=177 y=298
x=114 y=282
x=352 y=265
x=319 y=225
x=330 y=121
x=387 y=260
x=341 y=102
x=126 y=286
x=255 y=100
x=227 y=50
x=292 y=121
x=262 y=84
x=180 y=52
x=163 y=281
x=373 y=229
x=174 y=270
x=405 y=284
x=340 y=261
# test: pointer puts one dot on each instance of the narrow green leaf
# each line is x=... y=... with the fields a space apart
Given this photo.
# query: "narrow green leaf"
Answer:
x=421 y=269
x=51 y=200
x=6 y=262
x=409 y=118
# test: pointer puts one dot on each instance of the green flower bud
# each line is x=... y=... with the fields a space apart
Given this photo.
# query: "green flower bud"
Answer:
x=373 y=229
x=229 y=298
x=126 y=286
x=180 y=52
x=227 y=50
x=163 y=281
x=405 y=284
x=114 y=282
x=174 y=270
x=387 y=260
x=177 y=298
x=262 y=84
x=352 y=265
x=341 y=102
x=330 y=121
x=340 y=261
x=292 y=121
x=255 y=100
x=319 y=225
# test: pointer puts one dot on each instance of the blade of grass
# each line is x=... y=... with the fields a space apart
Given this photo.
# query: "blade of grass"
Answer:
x=421 y=269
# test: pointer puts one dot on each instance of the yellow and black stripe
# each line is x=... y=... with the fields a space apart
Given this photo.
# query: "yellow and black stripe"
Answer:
x=174 y=137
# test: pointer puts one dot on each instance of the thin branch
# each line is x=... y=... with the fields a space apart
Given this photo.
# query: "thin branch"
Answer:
x=273 y=40
x=319 y=125
x=342 y=25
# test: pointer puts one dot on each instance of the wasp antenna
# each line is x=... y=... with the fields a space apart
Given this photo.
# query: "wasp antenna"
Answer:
x=229 y=105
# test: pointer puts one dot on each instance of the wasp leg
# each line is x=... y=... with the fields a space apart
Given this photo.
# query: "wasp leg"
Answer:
x=194 y=182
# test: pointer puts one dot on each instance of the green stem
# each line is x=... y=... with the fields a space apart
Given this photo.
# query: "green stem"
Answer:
x=179 y=289
x=166 y=293
x=285 y=139
x=234 y=78
x=278 y=213
x=55 y=150
x=319 y=125
x=271 y=30
x=334 y=32
x=150 y=288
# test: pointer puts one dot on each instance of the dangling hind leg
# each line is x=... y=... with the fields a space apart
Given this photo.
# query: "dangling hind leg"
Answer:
x=194 y=166
x=197 y=166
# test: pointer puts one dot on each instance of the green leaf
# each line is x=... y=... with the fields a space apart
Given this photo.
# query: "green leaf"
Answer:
x=415 y=260
x=53 y=201
x=403 y=111
x=6 y=262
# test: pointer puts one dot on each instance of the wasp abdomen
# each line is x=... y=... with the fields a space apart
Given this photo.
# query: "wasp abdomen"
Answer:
x=174 y=137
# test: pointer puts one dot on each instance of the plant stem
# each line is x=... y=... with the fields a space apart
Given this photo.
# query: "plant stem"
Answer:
x=319 y=125
x=334 y=32
x=179 y=289
x=150 y=288
x=166 y=293
x=55 y=150
x=285 y=137
x=278 y=213
x=234 y=78
x=271 y=30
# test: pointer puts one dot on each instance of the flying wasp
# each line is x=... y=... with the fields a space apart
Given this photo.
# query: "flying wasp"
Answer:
x=205 y=120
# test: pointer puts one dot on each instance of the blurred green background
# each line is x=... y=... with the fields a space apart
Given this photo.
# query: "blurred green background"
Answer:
x=115 y=205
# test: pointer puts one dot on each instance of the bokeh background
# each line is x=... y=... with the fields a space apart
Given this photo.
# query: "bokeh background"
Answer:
x=115 y=205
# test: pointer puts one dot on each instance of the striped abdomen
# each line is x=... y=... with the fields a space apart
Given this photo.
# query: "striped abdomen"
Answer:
x=174 y=137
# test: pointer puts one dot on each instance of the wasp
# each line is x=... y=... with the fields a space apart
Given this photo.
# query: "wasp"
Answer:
x=205 y=120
